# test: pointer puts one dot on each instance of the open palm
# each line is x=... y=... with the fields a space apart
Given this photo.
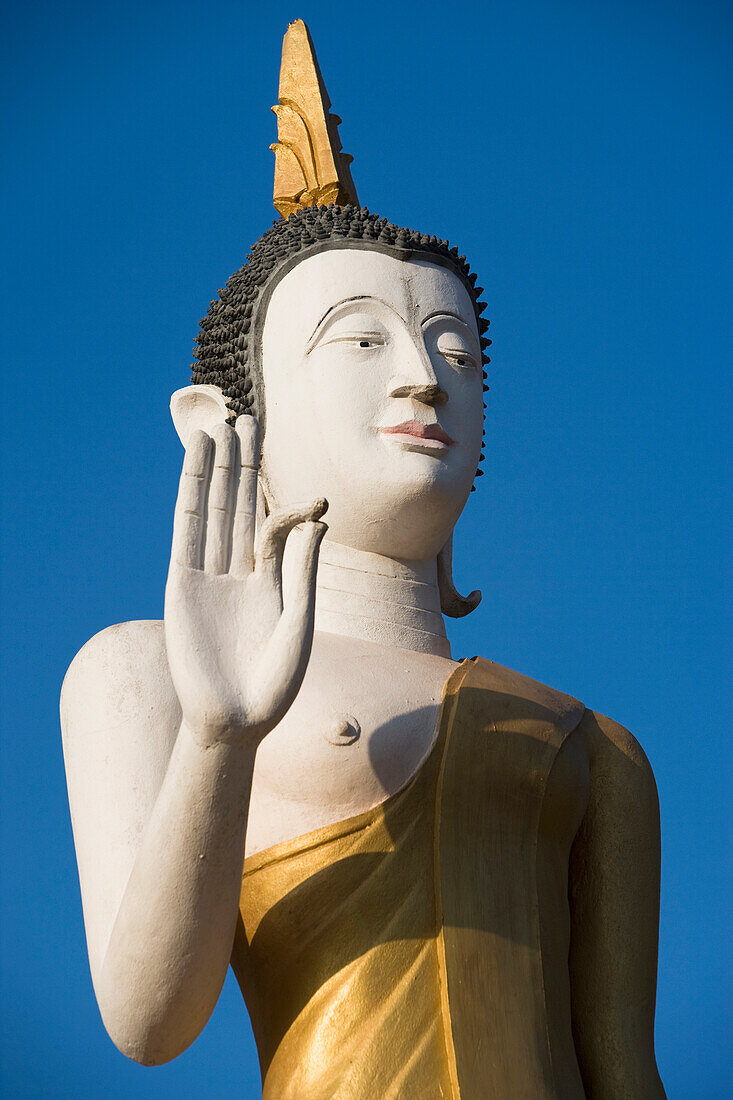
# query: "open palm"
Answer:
x=237 y=653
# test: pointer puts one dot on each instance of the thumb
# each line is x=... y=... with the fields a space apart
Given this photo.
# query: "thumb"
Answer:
x=282 y=666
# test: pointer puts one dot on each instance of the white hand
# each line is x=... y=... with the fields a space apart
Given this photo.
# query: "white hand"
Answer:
x=237 y=656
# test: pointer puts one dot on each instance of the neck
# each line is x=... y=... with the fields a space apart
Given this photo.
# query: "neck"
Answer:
x=393 y=603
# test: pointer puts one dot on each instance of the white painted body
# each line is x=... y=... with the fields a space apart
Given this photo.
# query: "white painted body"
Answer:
x=231 y=729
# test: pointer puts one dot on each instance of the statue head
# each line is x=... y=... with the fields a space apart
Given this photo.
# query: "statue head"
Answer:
x=358 y=345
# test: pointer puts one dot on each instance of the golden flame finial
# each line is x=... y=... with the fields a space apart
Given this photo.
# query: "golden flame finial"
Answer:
x=310 y=168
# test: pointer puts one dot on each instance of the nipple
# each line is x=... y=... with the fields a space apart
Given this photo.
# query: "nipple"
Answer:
x=343 y=731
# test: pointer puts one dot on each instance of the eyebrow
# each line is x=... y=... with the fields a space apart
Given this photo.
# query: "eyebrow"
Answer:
x=445 y=313
x=342 y=302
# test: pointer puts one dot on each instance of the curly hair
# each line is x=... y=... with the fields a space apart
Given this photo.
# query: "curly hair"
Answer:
x=227 y=347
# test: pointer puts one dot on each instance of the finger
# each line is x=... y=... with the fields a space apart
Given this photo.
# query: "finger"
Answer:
x=221 y=499
x=243 y=535
x=188 y=519
x=283 y=663
x=275 y=530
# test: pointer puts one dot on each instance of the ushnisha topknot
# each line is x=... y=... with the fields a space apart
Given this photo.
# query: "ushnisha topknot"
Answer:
x=227 y=347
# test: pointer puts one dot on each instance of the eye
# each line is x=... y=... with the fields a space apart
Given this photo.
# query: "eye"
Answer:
x=356 y=331
x=366 y=340
x=456 y=350
x=458 y=358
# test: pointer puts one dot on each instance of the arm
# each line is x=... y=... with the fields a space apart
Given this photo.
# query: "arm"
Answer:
x=614 y=897
x=169 y=947
x=160 y=937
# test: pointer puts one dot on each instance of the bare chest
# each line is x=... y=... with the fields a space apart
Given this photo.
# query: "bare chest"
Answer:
x=365 y=718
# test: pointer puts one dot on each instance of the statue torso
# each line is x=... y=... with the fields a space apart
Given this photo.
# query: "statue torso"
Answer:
x=307 y=774
x=421 y=948
x=364 y=719
x=404 y=841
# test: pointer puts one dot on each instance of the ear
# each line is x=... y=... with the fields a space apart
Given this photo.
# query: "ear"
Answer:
x=198 y=407
x=451 y=601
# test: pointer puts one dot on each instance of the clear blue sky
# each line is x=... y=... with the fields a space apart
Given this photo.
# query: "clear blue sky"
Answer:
x=574 y=150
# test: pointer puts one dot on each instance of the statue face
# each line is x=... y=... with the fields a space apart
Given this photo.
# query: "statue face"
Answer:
x=373 y=386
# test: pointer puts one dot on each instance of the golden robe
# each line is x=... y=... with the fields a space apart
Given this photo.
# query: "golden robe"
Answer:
x=420 y=950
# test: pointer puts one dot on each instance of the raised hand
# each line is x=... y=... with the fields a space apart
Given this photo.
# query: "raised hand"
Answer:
x=237 y=654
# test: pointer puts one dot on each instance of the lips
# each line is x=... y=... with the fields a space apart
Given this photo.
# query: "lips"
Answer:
x=420 y=431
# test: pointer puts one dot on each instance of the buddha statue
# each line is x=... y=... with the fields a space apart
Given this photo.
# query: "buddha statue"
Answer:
x=433 y=879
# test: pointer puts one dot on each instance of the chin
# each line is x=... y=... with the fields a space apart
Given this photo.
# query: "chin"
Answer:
x=436 y=482
x=410 y=517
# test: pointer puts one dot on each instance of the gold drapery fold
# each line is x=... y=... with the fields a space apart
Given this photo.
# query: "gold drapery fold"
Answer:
x=417 y=950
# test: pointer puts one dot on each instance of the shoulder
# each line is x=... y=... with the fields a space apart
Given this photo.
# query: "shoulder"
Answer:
x=512 y=696
x=605 y=738
x=120 y=717
x=615 y=753
x=121 y=641
x=124 y=647
x=122 y=669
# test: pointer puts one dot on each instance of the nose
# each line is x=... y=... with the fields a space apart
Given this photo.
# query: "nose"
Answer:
x=429 y=393
x=417 y=379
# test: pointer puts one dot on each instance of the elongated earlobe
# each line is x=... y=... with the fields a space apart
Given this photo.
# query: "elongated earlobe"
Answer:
x=198 y=407
x=452 y=603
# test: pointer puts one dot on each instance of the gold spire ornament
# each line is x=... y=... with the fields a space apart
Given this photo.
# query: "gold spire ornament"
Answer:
x=310 y=168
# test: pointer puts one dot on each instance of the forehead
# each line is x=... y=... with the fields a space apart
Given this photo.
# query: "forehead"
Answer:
x=412 y=288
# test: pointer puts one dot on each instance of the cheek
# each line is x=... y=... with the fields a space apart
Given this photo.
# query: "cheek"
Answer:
x=474 y=419
x=348 y=406
x=321 y=429
x=289 y=426
x=463 y=416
